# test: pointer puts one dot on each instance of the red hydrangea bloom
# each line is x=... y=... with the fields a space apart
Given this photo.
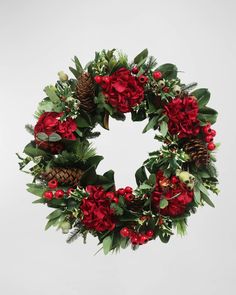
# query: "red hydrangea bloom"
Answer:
x=182 y=114
x=97 y=214
x=177 y=194
x=48 y=123
x=123 y=90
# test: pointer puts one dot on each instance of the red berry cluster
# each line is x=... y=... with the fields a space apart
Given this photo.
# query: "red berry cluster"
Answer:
x=135 y=237
x=209 y=135
x=126 y=192
x=57 y=194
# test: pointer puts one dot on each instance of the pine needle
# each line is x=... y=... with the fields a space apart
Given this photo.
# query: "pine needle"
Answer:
x=29 y=128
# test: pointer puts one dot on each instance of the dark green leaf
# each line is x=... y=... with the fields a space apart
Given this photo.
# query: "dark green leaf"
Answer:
x=55 y=214
x=202 y=95
x=169 y=71
x=152 y=123
x=140 y=175
x=207 y=200
x=32 y=151
x=36 y=189
x=141 y=57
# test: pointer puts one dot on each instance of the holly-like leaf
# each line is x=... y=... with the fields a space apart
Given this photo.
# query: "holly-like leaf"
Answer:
x=202 y=95
x=36 y=189
x=107 y=244
x=140 y=175
x=163 y=203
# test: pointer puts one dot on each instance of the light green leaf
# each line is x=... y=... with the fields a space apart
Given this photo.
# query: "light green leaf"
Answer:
x=163 y=203
x=54 y=137
x=207 y=200
x=55 y=214
x=164 y=128
x=42 y=136
x=107 y=244
x=36 y=189
x=51 y=93
x=197 y=195
x=32 y=151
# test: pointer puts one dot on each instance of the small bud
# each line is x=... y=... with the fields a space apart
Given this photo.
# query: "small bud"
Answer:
x=161 y=83
x=63 y=76
x=177 y=90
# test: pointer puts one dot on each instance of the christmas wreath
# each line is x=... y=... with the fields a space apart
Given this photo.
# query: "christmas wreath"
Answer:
x=171 y=183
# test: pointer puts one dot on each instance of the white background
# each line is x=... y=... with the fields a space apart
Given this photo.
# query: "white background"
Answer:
x=39 y=38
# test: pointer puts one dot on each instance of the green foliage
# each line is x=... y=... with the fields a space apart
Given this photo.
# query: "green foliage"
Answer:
x=33 y=151
x=169 y=71
x=107 y=244
x=36 y=189
x=202 y=95
x=140 y=175
x=207 y=115
x=163 y=203
x=141 y=58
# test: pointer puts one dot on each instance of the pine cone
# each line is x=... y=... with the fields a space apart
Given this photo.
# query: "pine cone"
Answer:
x=197 y=151
x=68 y=176
x=86 y=92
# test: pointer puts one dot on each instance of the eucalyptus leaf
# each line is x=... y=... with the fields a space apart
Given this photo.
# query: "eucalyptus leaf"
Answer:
x=42 y=136
x=163 y=203
x=54 y=137
x=107 y=244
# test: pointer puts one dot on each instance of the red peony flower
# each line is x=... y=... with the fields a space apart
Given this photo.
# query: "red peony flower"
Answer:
x=122 y=90
x=177 y=195
x=182 y=114
x=97 y=214
x=48 y=123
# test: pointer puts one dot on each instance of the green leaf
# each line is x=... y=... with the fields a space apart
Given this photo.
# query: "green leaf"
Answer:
x=36 y=189
x=39 y=201
x=169 y=71
x=207 y=114
x=152 y=123
x=118 y=210
x=32 y=151
x=42 y=136
x=124 y=243
x=54 y=137
x=181 y=227
x=163 y=203
x=109 y=175
x=197 y=195
x=139 y=115
x=51 y=93
x=51 y=222
x=141 y=57
x=202 y=95
x=83 y=122
x=163 y=128
x=145 y=187
x=107 y=244
x=140 y=175
x=55 y=214
x=202 y=188
x=207 y=200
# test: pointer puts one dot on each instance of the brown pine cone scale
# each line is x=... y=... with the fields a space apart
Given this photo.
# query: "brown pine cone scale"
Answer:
x=66 y=176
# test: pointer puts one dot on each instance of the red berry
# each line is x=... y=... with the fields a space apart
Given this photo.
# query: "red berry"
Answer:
x=213 y=132
x=129 y=197
x=59 y=194
x=143 y=239
x=106 y=79
x=52 y=184
x=48 y=195
x=128 y=189
x=70 y=190
x=211 y=146
x=110 y=195
x=207 y=129
x=135 y=240
x=149 y=233
x=98 y=79
x=166 y=89
x=135 y=70
x=121 y=191
x=208 y=138
x=143 y=79
x=174 y=179
x=125 y=232
x=115 y=200
x=157 y=75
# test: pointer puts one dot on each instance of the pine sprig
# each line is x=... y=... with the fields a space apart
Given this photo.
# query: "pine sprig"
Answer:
x=29 y=128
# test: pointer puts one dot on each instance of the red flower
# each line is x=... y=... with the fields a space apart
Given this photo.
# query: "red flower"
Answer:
x=177 y=195
x=122 y=90
x=182 y=114
x=97 y=214
x=48 y=123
